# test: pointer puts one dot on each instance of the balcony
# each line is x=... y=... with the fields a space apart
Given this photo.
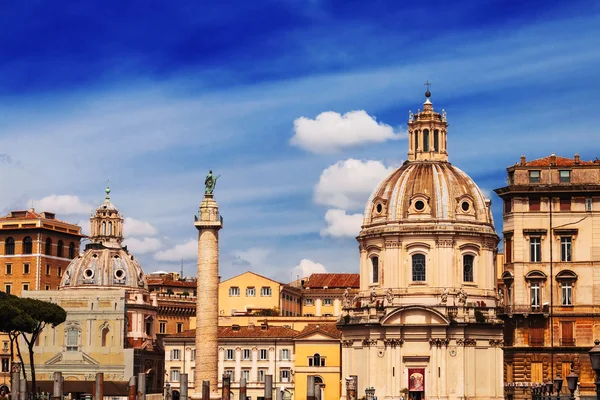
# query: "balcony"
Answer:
x=524 y=309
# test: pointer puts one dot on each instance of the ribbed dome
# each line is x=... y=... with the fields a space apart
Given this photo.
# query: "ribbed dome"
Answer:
x=101 y=266
x=427 y=191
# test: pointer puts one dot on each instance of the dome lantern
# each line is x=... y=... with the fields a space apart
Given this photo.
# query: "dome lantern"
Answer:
x=427 y=133
x=106 y=224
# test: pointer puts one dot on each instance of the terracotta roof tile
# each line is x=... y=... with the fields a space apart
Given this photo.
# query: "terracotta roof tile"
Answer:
x=171 y=283
x=247 y=332
x=560 y=162
x=31 y=214
x=338 y=281
x=327 y=328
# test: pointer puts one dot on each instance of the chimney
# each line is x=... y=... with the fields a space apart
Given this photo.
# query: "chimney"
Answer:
x=553 y=159
x=523 y=159
x=576 y=158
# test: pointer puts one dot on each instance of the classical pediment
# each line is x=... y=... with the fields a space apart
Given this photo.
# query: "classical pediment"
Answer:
x=415 y=315
x=73 y=359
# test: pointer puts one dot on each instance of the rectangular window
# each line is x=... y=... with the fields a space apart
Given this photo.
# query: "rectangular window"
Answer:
x=284 y=354
x=426 y=140
x=175 y=375
x=72 y=339
x=507 y=206
x=230 y=373
x=229 y=354
x=567 y=293
x=565 y=176
x=375 y=265
x=179 y=327
x=5 y=365
x=246 y=374
x=565 y=248
x=284 y=375
x=265 y=291
x=327 y=302
x=162 y=327
x=25 y=268
x=511 y=178
x=508 y=249
x=246 y=354
x=250 y=291
x=588 y=204
x=264 y=354
x=534 y=204
x=234 y=291
x=436 y=140
x=7 y=288
x=193 y=356
x=47 y=269
x=566 y=334
x=534 y=176
x=25 y=287
x=535 y=249
x=175 y=354
x=309 y=302
x=565 y=204
x=468 y=267
x=535 y=296
x=261 y=375
x=59 y=271
x=47 y=287
x=8 y=269
x=537 y=372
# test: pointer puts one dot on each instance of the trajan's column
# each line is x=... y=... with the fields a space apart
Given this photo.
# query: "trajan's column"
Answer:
x=208 y=223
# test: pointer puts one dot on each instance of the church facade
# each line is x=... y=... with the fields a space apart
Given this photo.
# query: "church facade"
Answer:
x=424 y=323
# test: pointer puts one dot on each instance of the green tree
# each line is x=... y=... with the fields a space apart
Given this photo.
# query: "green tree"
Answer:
x=27 y=318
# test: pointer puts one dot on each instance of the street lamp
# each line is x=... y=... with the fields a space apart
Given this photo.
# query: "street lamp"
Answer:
x=370 y=393
x=558 y=382
x=595 y=359
x=572 y=379
x=549 y=388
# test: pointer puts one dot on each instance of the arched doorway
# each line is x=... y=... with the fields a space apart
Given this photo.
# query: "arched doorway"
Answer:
x=321 y=388
x=175 y=394
x=4 y=390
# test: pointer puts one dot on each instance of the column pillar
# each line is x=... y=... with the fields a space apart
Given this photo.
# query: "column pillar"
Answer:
x=238 y=362
x=99 y=395
x=208 y=222
x=183 y=387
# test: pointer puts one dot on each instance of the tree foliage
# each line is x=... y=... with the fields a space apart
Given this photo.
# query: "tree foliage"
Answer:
x=27 y=318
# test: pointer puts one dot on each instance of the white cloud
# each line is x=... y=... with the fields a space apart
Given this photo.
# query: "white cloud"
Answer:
x=184 y=251
x=142 y=246
x=254 y=256
x=330 y=131
x=307 y=267
x=136 y=227
x=340 y=224
x=348 y=184
x=62 y=205
x=85 y=226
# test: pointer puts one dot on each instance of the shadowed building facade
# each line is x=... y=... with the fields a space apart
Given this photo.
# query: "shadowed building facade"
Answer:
x=424 y=324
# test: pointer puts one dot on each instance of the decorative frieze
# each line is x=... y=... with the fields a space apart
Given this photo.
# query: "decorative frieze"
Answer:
x=444 y=243
x=393 y=343
x=439 y=342
x=496 y=342
x=369 y=342
x=466 y=342
x=347 y=343
x=393 y=244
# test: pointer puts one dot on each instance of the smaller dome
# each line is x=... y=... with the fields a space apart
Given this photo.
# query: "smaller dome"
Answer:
x=105 y=267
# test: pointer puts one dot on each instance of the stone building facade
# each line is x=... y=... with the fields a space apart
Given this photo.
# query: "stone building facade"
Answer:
x=424 y=324
x=323 y=294
x=551 y=270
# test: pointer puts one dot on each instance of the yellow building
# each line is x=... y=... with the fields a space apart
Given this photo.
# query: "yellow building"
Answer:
x=250 y=293
x=318 y=353
x=323 y=294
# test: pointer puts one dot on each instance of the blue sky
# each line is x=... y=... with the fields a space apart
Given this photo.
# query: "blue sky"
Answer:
x=153 y=95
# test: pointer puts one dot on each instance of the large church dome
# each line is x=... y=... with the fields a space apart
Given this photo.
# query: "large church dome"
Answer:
x=105 y=261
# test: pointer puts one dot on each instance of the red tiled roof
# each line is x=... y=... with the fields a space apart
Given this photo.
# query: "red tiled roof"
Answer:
x=560 y=162
x=330 y=329
x=331 y=281
x=31 y=214
x=171 y=283
x=248 y=332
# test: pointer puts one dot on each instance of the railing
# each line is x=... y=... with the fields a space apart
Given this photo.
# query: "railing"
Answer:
x=523 y=309
x=567 y=342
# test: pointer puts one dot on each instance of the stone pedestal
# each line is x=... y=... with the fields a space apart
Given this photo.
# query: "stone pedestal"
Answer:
x=208 y=222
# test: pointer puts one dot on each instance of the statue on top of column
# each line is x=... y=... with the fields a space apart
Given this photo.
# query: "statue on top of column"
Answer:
x=210 y=182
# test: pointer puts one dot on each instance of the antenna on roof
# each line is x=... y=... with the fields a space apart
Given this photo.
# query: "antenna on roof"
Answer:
x=181 y=277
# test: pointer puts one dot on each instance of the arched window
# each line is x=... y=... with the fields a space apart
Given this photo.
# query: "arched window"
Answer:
x=436 y=140
x=375 y=265
x=104 y=336
x=418 y=267
x=468 y=268
x=71 y=250
x=9 y=246
x=48 y=247
x=416 y=140
x=110 y=230
x=316 y=361
x=425 y=139
x=59 y=248
x=103 y=228
x=27 y=245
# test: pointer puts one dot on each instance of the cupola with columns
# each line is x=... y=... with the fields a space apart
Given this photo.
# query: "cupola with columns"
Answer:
x=427 y=132
x=106 y=224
